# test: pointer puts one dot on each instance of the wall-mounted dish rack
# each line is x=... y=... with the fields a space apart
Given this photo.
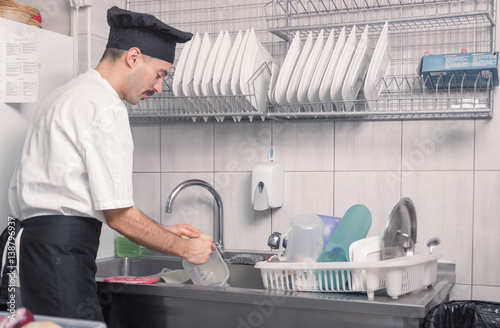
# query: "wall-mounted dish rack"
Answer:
x=416 y=27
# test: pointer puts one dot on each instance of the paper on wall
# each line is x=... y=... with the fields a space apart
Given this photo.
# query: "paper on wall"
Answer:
x=18 y=64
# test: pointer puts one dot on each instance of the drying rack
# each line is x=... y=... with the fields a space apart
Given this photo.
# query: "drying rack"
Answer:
x=416 y=27
x=167 y=108
x=397 y=276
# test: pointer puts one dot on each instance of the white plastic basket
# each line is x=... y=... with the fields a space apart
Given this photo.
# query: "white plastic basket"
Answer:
x=398 y=276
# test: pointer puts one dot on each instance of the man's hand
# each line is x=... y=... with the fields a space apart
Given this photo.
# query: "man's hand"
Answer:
x=184 y=229
x=136 y=226
x=193 y=253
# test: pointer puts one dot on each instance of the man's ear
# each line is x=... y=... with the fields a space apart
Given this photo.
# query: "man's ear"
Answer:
x=134 y=56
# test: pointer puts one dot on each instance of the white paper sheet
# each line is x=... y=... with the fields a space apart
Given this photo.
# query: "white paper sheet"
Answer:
x=18 y=64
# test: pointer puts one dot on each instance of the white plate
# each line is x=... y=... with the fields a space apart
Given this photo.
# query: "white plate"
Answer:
x=247 y=63
x=310 y=68
x=341 y=69
x=206 y=48
x=235 y=77
x=287 y=70
x=275 y=71
x=319 y=72
x=187 y=77
x=208 y=74
x=225 y=82
x=357 y=72
x=364 y=250
x=378 y=68
x=255 y=74
x=293 y=86
x=220 y=65
x=326 y=82
x=179 y=70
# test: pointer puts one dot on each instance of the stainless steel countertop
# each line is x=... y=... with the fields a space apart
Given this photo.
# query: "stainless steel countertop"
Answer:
x=415 y=304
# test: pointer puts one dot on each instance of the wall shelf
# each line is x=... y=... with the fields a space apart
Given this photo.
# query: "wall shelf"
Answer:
x=415 y=28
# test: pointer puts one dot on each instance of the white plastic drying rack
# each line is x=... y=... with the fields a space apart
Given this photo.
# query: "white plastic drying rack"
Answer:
x=415 y=27
x=397 y=276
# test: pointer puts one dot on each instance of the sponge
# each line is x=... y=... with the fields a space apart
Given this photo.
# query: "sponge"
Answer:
x=249 y=259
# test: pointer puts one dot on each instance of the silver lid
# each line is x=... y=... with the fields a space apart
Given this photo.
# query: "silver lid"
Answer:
x=400 y=234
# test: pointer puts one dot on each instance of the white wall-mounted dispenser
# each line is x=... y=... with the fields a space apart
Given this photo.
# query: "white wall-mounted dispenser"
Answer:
x=268 y=184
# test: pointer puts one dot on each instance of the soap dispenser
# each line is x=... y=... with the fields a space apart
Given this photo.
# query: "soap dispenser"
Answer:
x=268 y=184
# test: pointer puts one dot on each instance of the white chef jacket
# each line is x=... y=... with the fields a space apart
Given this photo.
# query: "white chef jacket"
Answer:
x=77 y=156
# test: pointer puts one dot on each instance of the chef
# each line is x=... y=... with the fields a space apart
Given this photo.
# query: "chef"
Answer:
x=75 y=172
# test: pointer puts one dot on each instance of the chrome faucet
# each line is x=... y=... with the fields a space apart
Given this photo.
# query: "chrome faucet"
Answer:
x=206 y=185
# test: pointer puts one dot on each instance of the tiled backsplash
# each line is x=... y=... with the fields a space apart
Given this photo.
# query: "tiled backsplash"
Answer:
x=328 y=168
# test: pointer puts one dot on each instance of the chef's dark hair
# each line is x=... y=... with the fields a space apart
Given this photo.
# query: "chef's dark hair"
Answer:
x=113 y=55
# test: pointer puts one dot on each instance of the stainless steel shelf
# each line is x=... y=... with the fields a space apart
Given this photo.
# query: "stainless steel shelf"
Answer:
x=415 y=28
x=401 y=98
x=476 y=19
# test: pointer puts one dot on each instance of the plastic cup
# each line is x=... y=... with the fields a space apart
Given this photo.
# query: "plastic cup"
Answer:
x=305 y=238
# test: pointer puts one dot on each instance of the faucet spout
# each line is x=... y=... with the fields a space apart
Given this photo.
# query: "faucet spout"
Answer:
x=218 y=226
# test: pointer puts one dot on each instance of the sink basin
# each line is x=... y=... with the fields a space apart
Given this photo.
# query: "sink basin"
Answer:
x=241 y=275
x=245 y=303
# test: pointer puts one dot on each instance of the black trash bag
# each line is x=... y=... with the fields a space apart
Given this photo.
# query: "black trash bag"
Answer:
x=464 y=314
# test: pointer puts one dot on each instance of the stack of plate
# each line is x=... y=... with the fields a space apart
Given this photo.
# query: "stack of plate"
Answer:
x=317 y=72
x=225 y=68
x=331 y=72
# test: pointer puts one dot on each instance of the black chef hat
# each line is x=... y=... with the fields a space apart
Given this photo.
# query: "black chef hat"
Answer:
x=153 y=37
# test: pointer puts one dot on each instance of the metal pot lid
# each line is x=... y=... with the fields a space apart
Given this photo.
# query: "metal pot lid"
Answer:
x=402 y=224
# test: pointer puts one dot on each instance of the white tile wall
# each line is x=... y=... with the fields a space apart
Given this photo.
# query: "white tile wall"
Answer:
x=194 y=205
x=367 y=146
x=450 y=169
x=244 y=228
x=438 y=145
x=444 y=206
x=486 y=293
x=146 y=147
x=304 y=146
x=147 y=192
x=305 y=192
x=487 y=145
x=187 y=147
x=238 y=147
x=461 y=292
x=486 y=228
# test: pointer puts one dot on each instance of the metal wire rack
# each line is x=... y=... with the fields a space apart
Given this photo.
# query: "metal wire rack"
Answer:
x=416 y=27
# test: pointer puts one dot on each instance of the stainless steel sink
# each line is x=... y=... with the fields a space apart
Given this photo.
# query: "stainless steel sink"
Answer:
x=241 y=276
x=247 y=304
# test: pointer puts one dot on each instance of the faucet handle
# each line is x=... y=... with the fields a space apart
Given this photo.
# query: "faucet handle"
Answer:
x=274 y=240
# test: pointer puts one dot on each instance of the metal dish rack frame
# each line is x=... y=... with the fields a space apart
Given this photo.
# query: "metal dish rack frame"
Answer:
x=416 y=27
x=166 y=107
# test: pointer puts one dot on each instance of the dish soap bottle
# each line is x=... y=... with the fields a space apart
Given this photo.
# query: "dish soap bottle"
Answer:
x=124 y=247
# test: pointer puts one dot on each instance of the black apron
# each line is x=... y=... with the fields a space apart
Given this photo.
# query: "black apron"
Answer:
x=57 y=266
x=10 y=293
